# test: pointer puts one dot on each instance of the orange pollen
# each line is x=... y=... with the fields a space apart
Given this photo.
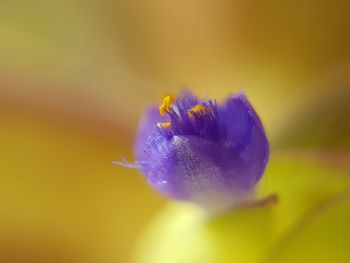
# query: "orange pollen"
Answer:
x=166 y=106
x=199 y=109
x=164 y=125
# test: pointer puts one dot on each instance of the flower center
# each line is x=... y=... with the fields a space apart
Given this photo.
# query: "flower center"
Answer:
x=195 y=112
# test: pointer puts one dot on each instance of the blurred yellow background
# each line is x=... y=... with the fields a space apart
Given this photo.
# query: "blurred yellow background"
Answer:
x=75 y=76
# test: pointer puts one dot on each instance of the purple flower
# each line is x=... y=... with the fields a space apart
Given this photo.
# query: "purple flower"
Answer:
x=201 y=151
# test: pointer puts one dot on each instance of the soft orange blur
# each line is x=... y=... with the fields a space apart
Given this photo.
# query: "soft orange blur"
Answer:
x=75 y=76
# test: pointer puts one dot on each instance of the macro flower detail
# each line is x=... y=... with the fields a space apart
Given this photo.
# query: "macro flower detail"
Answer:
x=198 y=150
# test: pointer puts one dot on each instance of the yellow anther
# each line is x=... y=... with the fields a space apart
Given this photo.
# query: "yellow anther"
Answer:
x=199 y=109
x=167 y=102
x=164 y=125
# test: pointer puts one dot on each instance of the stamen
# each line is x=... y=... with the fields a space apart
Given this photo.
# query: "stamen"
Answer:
x=167 y=102
x=164 y=125
x=199 y=109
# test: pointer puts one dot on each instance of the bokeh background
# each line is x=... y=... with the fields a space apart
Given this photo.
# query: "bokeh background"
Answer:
x=75 y=77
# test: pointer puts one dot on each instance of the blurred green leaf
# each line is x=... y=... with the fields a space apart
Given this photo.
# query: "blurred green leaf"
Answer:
x=185 y=233
x=301 y=180
x=323 y=236
x=182 y=233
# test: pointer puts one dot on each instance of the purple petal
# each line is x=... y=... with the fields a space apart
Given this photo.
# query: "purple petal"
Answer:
x=151 y=150
x=245 y=136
